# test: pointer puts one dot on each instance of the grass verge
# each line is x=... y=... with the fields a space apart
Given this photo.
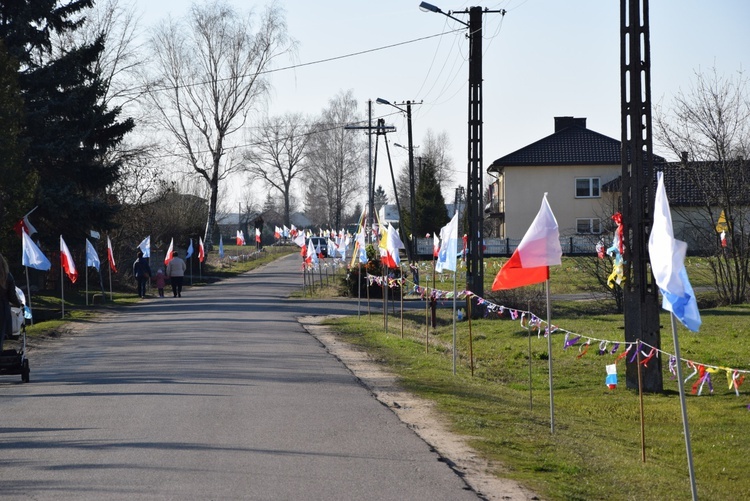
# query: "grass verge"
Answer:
x=595 y=452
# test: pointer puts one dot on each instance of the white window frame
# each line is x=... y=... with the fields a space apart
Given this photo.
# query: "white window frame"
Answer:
x=591 y=182
x=594 y=225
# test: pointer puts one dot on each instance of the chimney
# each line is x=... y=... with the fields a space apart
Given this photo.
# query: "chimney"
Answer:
x=565 y=122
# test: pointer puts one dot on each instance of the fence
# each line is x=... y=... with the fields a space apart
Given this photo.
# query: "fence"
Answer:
x=576 y=245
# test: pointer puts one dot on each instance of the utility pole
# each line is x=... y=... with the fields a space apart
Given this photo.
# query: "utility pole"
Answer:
x=640 y=291
x=474 y=201
x=369 y=128
x=410 y=149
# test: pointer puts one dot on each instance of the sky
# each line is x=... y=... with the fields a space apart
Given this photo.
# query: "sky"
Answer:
x=543 y=58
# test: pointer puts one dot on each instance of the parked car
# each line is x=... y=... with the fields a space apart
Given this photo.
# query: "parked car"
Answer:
x=320 y=243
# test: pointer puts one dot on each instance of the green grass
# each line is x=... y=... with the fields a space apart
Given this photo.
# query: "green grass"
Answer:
x=595 y=452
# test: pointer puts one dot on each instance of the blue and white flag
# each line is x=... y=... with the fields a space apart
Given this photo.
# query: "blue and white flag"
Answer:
x=189 y=250
x=667 y=256
x=145 y=246
x=446 y=259
x=92 y=258
x=221 y=247
x=32 y=256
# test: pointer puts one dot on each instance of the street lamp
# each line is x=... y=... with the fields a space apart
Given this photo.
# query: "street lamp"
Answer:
x=475 y=209
x=410 y=149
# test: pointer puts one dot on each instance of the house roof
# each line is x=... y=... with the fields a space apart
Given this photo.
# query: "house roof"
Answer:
x=692 y=185
x=573 y=145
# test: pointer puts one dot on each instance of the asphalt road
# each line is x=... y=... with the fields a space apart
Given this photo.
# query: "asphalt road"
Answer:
x=220 y=394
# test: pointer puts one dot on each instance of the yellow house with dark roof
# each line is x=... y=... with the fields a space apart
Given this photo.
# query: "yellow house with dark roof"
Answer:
x=571 y=165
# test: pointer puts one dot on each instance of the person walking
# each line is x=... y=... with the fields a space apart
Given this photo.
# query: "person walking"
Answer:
x=8 y=297
x=176 y=273
x=142 y=273
x=160 y=281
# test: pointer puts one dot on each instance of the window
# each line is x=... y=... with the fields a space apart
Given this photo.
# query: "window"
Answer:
x=587 y=187
x=589 y=225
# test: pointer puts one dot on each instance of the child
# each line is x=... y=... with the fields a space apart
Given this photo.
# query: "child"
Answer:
x=160 y=279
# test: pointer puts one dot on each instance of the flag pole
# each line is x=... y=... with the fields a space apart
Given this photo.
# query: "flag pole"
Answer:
x=28 y=292
x=549 y=358
x=683 y=407
x=86 y=268
x=640 y=398
x=403 y=282
x=62 y=290
x=454 y=321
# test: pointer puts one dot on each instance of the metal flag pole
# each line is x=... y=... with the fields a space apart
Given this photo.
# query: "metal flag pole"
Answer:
x=549 y=358
x=683 y=407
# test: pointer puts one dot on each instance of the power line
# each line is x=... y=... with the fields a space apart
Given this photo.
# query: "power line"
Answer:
x=137 y=91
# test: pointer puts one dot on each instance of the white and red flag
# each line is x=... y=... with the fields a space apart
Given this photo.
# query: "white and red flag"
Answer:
x=276 y=232
x=240 y=238
x=111 y=256
x=257 y=235
x=24 y=226
x=170 y=250
x=201 y=250
x=392 y=244
x=66 y=261
x=539 y=249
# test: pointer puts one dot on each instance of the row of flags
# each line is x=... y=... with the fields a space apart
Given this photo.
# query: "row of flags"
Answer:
x=145 y=248
x=539 y=249
x=33 y=257
x=240 y=238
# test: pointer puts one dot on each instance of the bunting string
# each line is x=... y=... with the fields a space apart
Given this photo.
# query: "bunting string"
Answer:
x=530 y=321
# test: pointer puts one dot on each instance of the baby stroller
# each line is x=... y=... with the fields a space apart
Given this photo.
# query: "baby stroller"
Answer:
x=14 y=361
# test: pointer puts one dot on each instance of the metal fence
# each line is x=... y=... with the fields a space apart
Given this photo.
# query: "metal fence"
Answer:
x=576 y=245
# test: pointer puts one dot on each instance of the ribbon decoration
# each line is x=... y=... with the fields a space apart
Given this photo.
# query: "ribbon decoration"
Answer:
x=583 y=349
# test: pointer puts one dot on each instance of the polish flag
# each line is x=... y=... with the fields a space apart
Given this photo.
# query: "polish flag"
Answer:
x=276 y=232
x=392 y=244
x=240 y=238
x=201 y=250
x=169 y=256
x=66 y=261
x=111 y=256
x=257 y=235
x=539 y=249
x=723 y=238
x=435 y=245
x=24 y=226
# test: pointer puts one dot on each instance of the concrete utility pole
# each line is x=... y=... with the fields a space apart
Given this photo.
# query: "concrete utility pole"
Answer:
x=640 y=291
x=474 y=195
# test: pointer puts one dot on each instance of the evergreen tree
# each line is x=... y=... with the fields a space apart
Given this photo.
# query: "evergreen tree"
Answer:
x=429 y=204
x=67 y=131
x=16 y=186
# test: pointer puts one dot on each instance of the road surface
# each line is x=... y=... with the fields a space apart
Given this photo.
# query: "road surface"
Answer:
x=220 y=394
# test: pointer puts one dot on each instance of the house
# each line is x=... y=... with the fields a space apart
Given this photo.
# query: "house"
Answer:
x=571 y=165
x=694 y=190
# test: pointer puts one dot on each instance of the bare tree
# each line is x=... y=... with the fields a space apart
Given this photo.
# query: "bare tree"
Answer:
x=336 y=170
x=208 y=75
x=708 y=127
x=278 y=155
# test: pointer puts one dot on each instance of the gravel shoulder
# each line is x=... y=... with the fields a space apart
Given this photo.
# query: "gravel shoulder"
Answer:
x=420 y=415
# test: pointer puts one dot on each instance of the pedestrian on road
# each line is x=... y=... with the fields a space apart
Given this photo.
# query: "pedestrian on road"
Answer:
x=160 y=280
x=176 y=273
x=142 y=273
x=8 y=297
